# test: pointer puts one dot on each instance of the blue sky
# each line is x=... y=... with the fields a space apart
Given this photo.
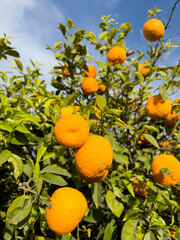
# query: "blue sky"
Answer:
x=33 y=23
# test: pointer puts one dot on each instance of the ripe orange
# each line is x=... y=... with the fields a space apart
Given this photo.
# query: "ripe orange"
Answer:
x=116 y=55
x=156 y=108
x=143 y=139
x=94 y=158
x=91 y=71
x=65 y=72
x=101 y=88
x=139 y=191
x=68 y=207
x=144 y=70
x=37 y=96
x=153 y=30
x=66 y=110
x=173 y=118
x=71 y=131
x=166 y=161
x=89 y=86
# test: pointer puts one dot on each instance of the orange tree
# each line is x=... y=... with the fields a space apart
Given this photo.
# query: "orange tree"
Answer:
x=33 y=164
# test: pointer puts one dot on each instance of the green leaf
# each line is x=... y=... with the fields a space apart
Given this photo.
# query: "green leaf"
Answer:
x=131 y=230
x=62 y=28
x=57 y=45
x=126 y=26
x=54 y=168
x=17 y=164
x=115 y=206
x=12 y=53
x=163 y=92
x=102 y=36
x=110 y=230
x=124 y=126
x=4 y=100
x=22 y=128
x=39 y=183
x=149 y=236
x=17 y=203
x=6 y=127
x=91 y=37
x=36 y=171
x=70 y=23
x=19 y=214
x=101 y=101
x=96 y=193
x=151 y=128
x=94 y=216
x=165 y=170
x=41 y=150
x=54 y=179
x=67 y=100
x=4 y=156
x=19 y=64
x=151 y=139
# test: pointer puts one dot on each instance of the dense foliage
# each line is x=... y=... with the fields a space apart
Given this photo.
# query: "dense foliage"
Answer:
x=34 y=165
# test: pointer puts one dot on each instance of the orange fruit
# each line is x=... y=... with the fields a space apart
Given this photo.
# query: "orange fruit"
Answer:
x=153 y=30
x=66 y=110
x=144 y=70
x=156 y=108
x=173 y=118
x=143 y=139
x=101 y=88
x=68 y=207
x=173 y=234
x=116 y=55
x=139 y=191
x=71 y=131
x=166 y=161
x=91 y=71
x=37 y=95
x=89 y=86
x=94 y=158
x=166 y=144
x=65 y=72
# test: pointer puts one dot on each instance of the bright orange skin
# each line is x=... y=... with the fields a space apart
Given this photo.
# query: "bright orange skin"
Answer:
x=143 y=139
x=89 y=86
x=68 y=207
x=153 y=30
x=66 y=73
x=101 y=89
x=173 y=118
x=91 y=71
x=71 y=131
x=37 y=95
x=94 y=158
x=98 y=112
x=156 y=108
x=66 y=110
x=138 y=189
x=116 y=55
x=144 y=70
x=166 y=161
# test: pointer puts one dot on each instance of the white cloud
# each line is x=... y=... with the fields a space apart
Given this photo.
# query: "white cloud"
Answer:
x=33 y=24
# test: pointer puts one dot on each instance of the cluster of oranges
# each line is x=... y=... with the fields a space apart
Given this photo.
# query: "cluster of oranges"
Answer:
x=93 y=153
x=93 y=159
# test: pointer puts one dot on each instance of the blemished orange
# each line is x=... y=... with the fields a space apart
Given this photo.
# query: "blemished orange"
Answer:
x=101 y=88
x=68 y=207
x=156 y=108
x=144 y=70
x=89 y=86
x=94 y=158
x=139 y=191
x=91 y=71
x=71 y=131
x=153 y=30
x=166 y=161
x=116 y=55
